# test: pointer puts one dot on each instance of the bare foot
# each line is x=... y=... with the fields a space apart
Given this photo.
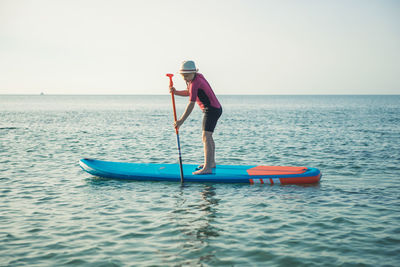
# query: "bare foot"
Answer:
x=203 y=171
x=202 y=166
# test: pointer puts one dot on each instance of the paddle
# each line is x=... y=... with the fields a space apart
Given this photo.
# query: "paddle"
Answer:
x=171 y=83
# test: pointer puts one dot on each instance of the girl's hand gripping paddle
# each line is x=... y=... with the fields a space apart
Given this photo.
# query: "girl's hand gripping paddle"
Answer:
x=171 y=83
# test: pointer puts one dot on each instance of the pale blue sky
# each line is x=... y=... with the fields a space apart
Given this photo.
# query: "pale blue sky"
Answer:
x=242 y=47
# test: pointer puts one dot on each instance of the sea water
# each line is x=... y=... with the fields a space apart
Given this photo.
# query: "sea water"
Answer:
x=54 y=214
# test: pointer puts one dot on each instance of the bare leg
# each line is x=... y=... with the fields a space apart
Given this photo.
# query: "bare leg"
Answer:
x=212 y=160
x=209 y=154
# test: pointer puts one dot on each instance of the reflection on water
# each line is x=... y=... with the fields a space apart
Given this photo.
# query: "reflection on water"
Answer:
x=209 y=209
x=195 y=222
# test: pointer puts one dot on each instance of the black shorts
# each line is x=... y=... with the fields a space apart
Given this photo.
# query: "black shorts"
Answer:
x=210 y=118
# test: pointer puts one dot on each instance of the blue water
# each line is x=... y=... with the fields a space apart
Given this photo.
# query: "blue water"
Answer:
x=54 y=214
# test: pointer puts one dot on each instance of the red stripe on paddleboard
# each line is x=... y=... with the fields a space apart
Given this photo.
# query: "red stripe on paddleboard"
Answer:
x=292 y=180
x=301 y=180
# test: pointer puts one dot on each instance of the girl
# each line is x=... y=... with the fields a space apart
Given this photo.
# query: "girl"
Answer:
x=198 y=90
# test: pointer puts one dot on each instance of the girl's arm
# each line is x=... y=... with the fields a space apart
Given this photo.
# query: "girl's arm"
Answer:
x=180 y=93
x=186 y=114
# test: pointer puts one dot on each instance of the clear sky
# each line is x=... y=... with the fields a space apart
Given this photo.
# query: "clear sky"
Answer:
x=242 y=47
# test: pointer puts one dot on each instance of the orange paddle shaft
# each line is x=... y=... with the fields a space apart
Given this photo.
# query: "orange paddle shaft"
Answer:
x=171 y=83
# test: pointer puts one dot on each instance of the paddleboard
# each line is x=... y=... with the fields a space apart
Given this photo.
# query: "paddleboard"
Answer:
x=221 y=174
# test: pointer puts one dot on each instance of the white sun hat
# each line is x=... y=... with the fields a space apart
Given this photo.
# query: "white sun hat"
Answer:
x=188 y=67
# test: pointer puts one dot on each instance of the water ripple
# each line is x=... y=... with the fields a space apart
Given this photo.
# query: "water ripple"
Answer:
x=53 y=214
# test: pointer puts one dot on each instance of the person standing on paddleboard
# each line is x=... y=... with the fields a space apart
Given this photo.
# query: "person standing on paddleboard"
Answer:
x=199 y=90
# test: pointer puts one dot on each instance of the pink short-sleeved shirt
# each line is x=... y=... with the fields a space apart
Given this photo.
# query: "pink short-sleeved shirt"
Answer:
x=201 y=92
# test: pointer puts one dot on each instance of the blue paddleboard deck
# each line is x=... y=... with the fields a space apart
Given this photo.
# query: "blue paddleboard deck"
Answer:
x=221 y=174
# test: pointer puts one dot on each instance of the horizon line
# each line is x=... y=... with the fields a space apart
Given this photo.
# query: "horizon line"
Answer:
x=44 y=94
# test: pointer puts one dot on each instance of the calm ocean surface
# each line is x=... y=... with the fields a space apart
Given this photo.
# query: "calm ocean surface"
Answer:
x=54 y=214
